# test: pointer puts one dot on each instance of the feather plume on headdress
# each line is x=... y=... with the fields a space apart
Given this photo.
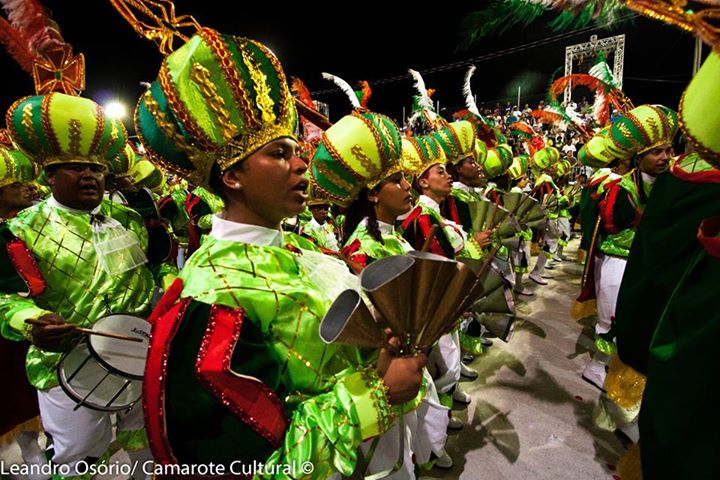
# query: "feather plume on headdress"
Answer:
x=424 y=99
x=345 y=87
x=422 y=106
x=364 y=94
x=33 y=39
x=467 y=91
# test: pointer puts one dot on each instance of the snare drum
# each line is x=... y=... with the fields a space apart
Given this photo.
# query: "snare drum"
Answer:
x=105 y=373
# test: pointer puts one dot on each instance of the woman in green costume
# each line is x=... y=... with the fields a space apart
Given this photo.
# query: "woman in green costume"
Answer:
x=370 y=221
x=237 y=372
x=374 y=200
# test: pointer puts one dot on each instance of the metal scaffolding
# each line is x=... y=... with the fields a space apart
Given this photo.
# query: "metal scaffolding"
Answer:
x=615 y=44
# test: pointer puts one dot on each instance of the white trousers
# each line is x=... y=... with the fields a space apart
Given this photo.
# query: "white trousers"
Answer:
x=608 y=276
x=564 y=228
x=445 y=360
x=78 y=434
x=425 y=433
x=523 y=252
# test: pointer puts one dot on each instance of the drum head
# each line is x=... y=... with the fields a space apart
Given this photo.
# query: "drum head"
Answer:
x=89 y=384
x=122 y=356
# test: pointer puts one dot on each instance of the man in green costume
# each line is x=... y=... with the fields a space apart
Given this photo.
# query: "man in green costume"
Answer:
x=55 y=250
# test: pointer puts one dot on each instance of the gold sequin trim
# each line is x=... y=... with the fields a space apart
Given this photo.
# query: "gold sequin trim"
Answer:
x=201 y=76
x=99 y=129
x=287 y=105
x=248 y=143
x=47 y=124
x=262 y=89
x=339 y=159
x=74 y=132
x=379 y=396
x=167 y=127
x=323 y=170
x=180 y=112
x=674 y=12
x=233 y=77
x=372 y=169
x=28 y=125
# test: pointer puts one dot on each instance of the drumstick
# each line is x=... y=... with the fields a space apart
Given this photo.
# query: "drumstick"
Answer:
x=87 y=331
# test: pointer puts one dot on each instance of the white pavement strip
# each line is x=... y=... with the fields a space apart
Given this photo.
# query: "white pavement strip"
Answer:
x=531 y=415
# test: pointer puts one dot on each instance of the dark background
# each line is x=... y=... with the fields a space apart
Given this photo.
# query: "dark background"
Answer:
x=373 y=41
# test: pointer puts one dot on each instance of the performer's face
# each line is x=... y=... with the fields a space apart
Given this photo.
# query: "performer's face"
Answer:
x=78 y=185
x=15 y=196
x=656 y=161
x=469 y=172
x=269 y=185
x=436 y=181
x=393 y=197
x=320 y=212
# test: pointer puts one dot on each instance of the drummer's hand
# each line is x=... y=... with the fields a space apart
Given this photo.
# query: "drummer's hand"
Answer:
x=402 y=375
x=482 y=238
x=53 y=337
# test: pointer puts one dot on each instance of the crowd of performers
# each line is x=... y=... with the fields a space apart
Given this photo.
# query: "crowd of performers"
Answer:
x=241 y=216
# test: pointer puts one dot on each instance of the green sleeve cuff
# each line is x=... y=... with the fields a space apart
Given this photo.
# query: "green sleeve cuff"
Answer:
x=205 y=222
x=369 y=396
x=17 y=320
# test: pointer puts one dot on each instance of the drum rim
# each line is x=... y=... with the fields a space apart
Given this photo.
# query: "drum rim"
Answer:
x=102 y=362
x=62 y=380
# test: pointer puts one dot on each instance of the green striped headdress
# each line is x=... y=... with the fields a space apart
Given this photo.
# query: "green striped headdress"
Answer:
x=217 y=99
x=15 y=166
x=519 y=166
x=457 y=140
x=420 y=153
x=361 y=149
x=545 y=158
x=57 y=128
x=497 y=160
x=642 y=129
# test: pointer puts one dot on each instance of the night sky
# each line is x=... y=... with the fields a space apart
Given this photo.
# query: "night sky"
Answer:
x=363 y=41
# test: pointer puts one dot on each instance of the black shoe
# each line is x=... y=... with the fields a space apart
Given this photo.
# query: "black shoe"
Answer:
x=486 y=342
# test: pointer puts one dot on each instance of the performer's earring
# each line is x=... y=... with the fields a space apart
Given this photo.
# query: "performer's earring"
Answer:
x=237 y=186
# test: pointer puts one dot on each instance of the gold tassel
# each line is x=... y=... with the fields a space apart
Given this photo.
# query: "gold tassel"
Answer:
x=581 y=310
x=624 y=385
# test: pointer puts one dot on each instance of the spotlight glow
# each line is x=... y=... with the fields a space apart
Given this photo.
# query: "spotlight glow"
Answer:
x=115 y=109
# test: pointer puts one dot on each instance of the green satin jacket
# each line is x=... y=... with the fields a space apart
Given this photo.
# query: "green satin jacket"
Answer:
x=51 y=250
x=243 y=373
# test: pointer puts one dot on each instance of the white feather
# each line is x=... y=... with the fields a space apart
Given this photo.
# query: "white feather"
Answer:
x=345 y=87
x=413 y=119
x=425 y=100
x=467 y=91
x=599 y=105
